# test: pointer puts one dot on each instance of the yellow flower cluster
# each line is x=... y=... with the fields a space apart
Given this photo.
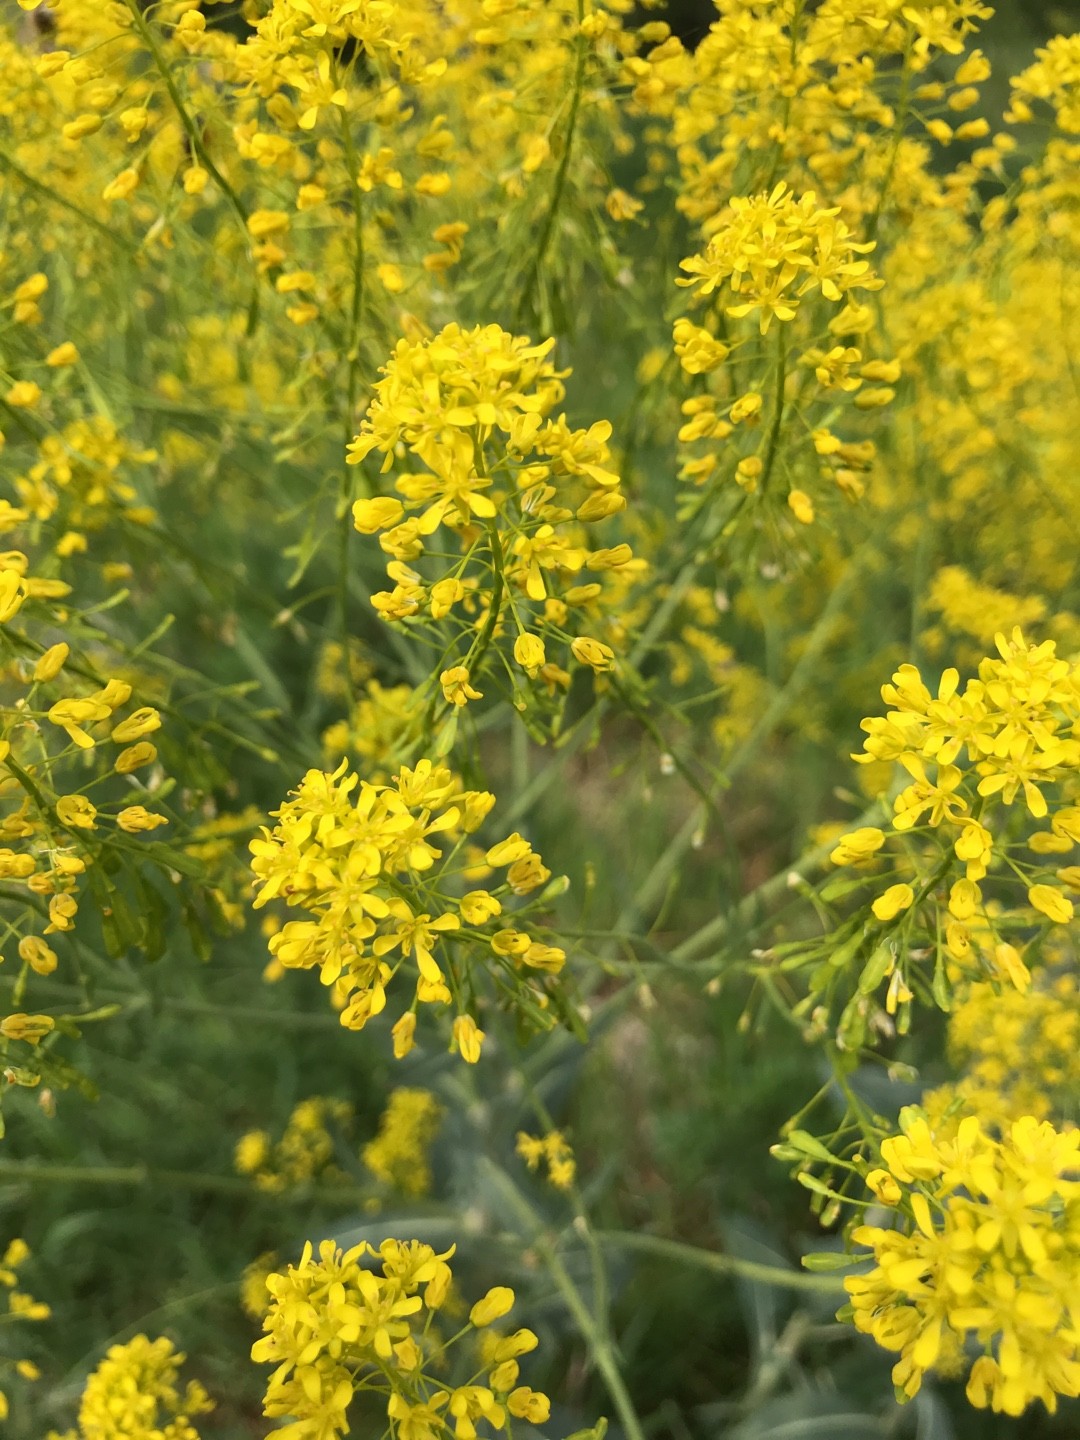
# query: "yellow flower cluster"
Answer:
x=305 y=1152
x=554 y=1151
x=984 y=1253
x=398 y=1156
x=772 y=254
x=382 y=721
x=970 y=753
x=19 y=1306
x=1018 y=1054
x=512 y=488
x=1053 y=80
x=337 y=1327
x=136 y=1392
x=821 y=95
x=979 y=611
x=770 y=250
x=61 y=718
x=385 y=898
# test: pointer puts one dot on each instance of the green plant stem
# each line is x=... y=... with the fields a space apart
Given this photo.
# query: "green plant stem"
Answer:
x=720 y=1264
x=894 y=151
x=547 y=230
x=190 y=128
x=234 y=1014
x=352 y=384
x=136 y=1177
x=48 y=193
x=779 y=381
x=648 y=894
x=763 y=895
x=600 y=1346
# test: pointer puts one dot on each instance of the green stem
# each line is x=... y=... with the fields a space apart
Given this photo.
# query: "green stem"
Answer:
x=547 y=230
x=136 y=1177
x=720 y=1264
x=779 y=381
x=352 y=384
x=190 y=128
x=652 y=888
x=48 y=193
x=894 y=151
x=599 y=1344
x=764 y=894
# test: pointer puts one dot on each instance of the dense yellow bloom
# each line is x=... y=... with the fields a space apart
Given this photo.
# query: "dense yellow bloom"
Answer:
x=336 y=1327
x=771 y=249
x=514 y=487
x=398 y=1155
x=19 y=1306
x=986 y=1252
x=369 y=872
x=306 y=1150
x=136 y=1392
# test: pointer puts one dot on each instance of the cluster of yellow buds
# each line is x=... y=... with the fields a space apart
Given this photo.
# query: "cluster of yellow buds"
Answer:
x=61 y=720
x=305 y=1151
x=771 y=250
x=771 y=255
x=1019 y=1054
x=554 y=1150
x=337 y=1328
x=513 y=489
x=398 y=1156
x=136 y=1390
x=385 y=898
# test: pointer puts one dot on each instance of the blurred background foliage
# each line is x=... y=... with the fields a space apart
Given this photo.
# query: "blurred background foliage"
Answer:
x=667 y=1117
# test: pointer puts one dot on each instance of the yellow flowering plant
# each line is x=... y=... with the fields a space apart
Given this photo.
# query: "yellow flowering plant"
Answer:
x=408 y=403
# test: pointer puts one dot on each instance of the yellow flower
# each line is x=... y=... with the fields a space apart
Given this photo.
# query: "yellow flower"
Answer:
x=12 y=594
x=977 y=1260
x=23 y=395
x=858 y=847
x=30 y=1028
x=529 y=653
x=135 y=818
x=52 y=661
x=121 y=186
x=76 y=810
x=801 y=506
x=455 y=686
x=895 y=899
x=498 y=1302
x=39 y=956
x=593 y=653
x=468 y=1038
x=1051 y=903
x=142 y=722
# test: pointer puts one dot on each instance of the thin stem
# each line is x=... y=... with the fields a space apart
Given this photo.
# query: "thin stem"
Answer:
x=721 y=1264
x=764 y=894
x=779 y=381
x=652 y=888
x=894 y=151
x=352 y=382
x=547 y=230
x=600 y=1346
x=138 y=1176
x=190 y=128
x=48 y=193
